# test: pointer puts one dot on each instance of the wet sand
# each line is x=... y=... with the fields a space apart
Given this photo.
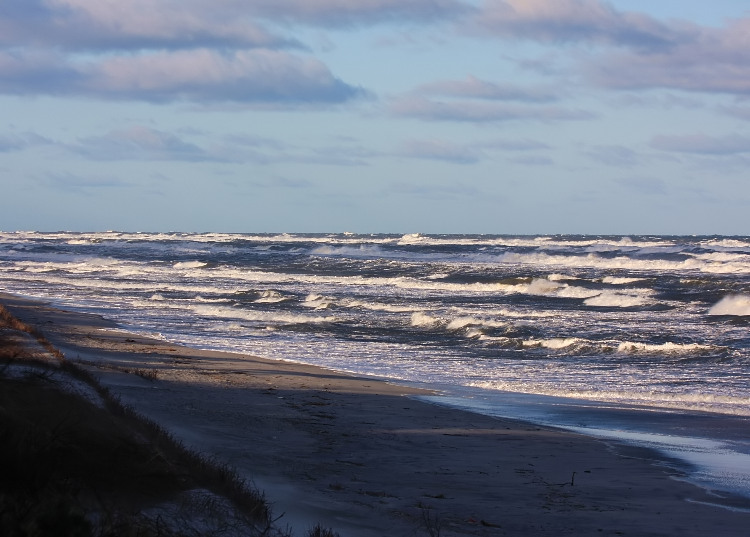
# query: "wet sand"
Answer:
x=366 y=458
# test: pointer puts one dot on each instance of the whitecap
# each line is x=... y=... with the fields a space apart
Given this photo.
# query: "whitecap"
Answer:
x=271 y=296
x=421 y=319
x=258 y=316
x=553 y=343
x=190 y=265
x=318 y=302
x=620 y=280
x=738 y=305
x=662 y=348
x=616 y=299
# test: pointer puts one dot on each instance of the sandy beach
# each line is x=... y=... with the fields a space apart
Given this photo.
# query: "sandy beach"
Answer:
x=368 y=458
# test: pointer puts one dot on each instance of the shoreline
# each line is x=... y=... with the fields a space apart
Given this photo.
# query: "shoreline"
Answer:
x=365 y=457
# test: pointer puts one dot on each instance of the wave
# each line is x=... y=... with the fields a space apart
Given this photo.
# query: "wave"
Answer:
x=554 y=343
x=113 y=284
x=578 y=345
x=422 y=320
x=721 y=403
x=271 y=296
x=593 y=243
x=726 y=244
x=318 y=302
x=362 y=250
x=321 y=302
x=534 y=287
x=620 y=280
x=120 y=276
x=189 y=265
x=727 y=256
x=205 y=300
x=736 y=265
x=555 y=277
x=617 y=299
x=737 y=305
x=469 y=324
x=464 y=322
x=258 y=316
x=630 y=347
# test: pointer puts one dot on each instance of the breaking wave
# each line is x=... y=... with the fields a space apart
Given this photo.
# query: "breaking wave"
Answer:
x=737 y=305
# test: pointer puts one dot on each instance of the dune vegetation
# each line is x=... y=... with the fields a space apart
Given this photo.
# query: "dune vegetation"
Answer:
x=75 y=461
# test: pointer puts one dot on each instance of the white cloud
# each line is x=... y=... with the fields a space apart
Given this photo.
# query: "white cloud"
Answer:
x=649 y=186
x=731 y=144
x=480 y=111
x=18 y=142
x=332 y=13
x=158 y=51
x=132 y=24
x=571 y=21
x=139 y=143
x=737 y=112
x=514 y=145
x=196 y=75
x=439 y=150
x=709 y=60
x=81 y=184
x=533 y=161
x=614 y=155
x=634 y=51
x=472 y=87
x=142 y=143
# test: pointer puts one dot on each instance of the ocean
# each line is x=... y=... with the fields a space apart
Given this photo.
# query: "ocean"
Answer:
x=641 y=338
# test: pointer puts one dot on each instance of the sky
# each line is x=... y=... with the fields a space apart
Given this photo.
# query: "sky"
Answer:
x=376 y=116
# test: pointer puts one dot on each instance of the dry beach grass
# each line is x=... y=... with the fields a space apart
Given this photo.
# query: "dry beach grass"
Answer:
x=366 y=457
x=75 y=461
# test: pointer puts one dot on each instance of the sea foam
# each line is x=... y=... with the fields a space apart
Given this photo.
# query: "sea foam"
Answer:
x=738 y=305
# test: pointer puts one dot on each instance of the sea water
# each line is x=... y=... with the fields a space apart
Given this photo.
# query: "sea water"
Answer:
x=641 y=338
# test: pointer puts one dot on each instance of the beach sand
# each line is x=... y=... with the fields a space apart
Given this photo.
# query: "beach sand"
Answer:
x=368 y=458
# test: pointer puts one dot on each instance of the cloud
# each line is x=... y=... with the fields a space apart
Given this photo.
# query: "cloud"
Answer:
x=131 y=25
x=197 y=75
x=439 y=150
x=480 y=112
x=713 y=60
x=664 y=100
x=515 y=145
x=649 y=186
x=481 y=101
x=139 y=143
x=339 y=155
x=471 y=152
x=69 y=182
x=433 y=191
x=277 y=182
x=173 y=24
x=346 y=13
x=472 y=87
x=614 y=155
x=18 y=142
x=571 y=21
x=633 y=51
x=533 y=161
x=163 y=51
x=702 y=144
x=737 y=112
